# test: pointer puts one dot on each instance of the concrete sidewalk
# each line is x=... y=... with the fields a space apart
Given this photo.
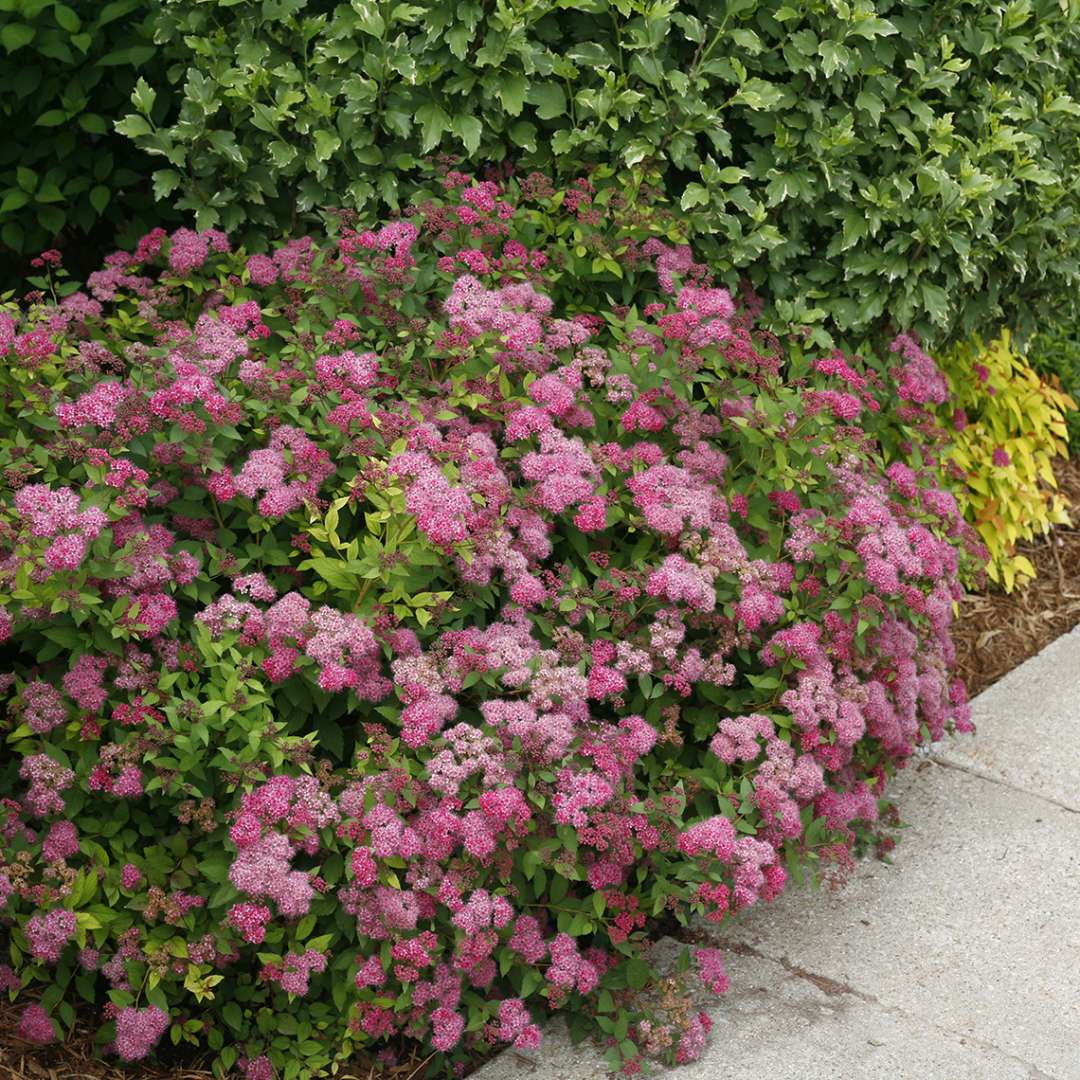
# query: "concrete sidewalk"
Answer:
x=960 y=961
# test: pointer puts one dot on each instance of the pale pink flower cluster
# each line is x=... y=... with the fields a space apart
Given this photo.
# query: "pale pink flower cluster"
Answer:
x=569 y=970
x=48 y=779
x=347 y=654
x=672 y=499
x=57 y=514
x=680 y=581
x=61 y=842
x=250 y=920
x=442 y=509
x=737 y=737
x=98 y=407
x=714 y=837
x=516 y=1026
x=138 y=1031
x=288 y=473
x=49 y=934
x=42 y=707
x=188 y=249
x=710 y=964
x=294 y=974
x=264 y=868
x=84 y=682
x=514 y=312
x=563 y=471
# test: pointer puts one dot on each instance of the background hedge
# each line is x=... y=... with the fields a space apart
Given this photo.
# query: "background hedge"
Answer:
x=863 y=163
x=66 y=74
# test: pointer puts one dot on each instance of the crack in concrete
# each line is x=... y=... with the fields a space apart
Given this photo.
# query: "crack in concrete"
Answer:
x=839 y=988
x=990 y=779
x=832 y=987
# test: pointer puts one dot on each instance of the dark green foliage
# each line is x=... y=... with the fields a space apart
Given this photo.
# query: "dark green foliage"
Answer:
x=1055 y=352
x=909 y=162
x=66 y=74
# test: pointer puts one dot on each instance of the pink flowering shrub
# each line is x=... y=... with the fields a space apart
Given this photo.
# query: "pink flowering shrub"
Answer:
x=395 y=628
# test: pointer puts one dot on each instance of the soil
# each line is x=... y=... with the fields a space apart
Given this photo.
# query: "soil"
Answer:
x=994 y=633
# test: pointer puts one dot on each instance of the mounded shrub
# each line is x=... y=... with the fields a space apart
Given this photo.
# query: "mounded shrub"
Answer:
x=900 y=161
x=67 y=71
x=390 y=640
x=1003 y=426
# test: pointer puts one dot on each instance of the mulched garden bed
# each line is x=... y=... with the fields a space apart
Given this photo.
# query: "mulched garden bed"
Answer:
x=994 y=633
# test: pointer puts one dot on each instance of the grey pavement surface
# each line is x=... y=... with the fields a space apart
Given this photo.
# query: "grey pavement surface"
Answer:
x=959 y=961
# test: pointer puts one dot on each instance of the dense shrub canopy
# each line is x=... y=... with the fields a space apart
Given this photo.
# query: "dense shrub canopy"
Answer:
x=1054 y=352
x=390 y=637
x=1002 y=427
x=864 y=163
x=66 y=75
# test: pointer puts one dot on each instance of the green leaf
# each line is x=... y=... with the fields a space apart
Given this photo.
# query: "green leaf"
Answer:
x=26 y=178
x=327 y=143
x=638 y=973
x=458 y=38
x=834 y=56
x=51 y=118
x=434 y=122
x=855 y=228
x=549 y=99
x=12 y=235
x=93 y=123
x=512 y=92
x=15 y=36
x=143 y=96
x=14 y=200
x=524 y=134
x=224 y=142
x=871 y=103
x=66 y=18
x=52 y=219
x=758 y=94
x=133 y=126
x=694 y=195
x=468 y=129
x=936 y=301
x=166 y=182
x=370 y=21
x=99 y=198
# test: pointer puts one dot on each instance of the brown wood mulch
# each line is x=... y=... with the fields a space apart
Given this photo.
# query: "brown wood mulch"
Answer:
x=997 y=631
x=994 y=633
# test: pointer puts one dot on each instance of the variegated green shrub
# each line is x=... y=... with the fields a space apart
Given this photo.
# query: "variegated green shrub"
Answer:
x=863 y=163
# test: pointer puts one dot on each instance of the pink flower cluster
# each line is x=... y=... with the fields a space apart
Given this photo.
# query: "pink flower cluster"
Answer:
x=138 y=1031
x=919 y=379
x=35 y=1025
x=294 y=973
x=262 y=867
x=57 y=514
x=49 y=934
x=288 y=473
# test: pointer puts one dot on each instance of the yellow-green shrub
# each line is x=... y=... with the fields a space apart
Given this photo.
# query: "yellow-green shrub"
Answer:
x=1008 y=425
